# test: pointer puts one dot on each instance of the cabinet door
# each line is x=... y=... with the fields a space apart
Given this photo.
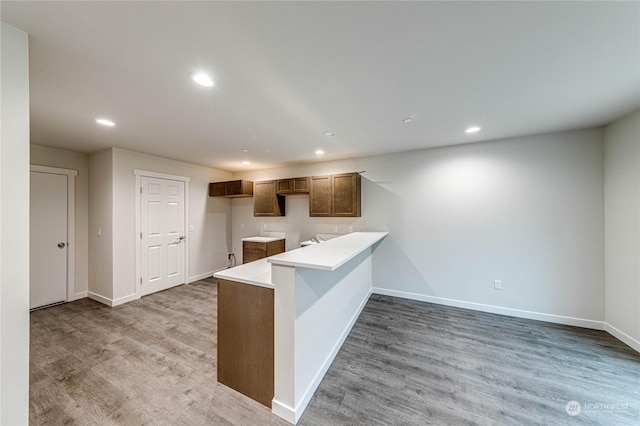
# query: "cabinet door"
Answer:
x=300 y=184
x=345 y=200
x=284 y=186
x=253 y=251
x=320 y=196
x=233 y=187
x=217 y=189
x=275 y=247
x=265 y=200
x=293 y=186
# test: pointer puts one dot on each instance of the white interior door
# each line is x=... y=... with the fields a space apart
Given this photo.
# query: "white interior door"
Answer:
x=48 y=244
x=162 y=225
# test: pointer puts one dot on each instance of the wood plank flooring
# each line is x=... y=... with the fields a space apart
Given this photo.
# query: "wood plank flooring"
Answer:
x=152 y=362
x=415 y=363
x=148 y=362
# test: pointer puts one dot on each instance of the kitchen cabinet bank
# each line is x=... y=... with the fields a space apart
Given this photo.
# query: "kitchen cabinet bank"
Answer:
x=231 y=189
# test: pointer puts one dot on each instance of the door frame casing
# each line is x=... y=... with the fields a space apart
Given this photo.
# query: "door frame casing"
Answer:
x=71 y=222
x=145 y=173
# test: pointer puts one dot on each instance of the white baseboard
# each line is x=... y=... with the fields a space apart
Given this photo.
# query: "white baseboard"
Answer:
x=111 y=302
x=202 y=276
x=78 y=296
x=558 y=319
x=283 y=411
x=622 y=336
x=98 y=298
x=121 y=300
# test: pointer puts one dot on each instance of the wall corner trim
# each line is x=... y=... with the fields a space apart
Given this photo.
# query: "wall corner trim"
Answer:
x=203 y=276
x=622 y=336
x=283 y=411
x=80 y=295
x=112 y=302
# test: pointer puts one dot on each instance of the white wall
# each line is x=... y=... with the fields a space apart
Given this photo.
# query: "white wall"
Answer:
x=52 y=157
x=14 y=227
x=622 y=228
x=527 y=211
x=208 y=243
x=314 y=312
x=101 y=218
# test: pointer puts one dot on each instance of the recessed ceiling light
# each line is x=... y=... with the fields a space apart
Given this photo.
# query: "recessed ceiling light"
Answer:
x=105 y=122
x=246 y=163
x=407 y=120
x=202 y=79
x=329 y=134
x=472 y=129
x=319 y=152
x=245 y=150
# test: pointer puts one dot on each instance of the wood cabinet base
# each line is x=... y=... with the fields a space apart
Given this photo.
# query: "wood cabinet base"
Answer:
x=245 y=339
x=253 y=251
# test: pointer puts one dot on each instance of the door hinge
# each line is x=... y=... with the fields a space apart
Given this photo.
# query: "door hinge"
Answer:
x=141 y=235
x=141 y=190
x=140 y=280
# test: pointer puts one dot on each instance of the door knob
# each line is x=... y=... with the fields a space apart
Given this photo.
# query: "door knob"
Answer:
x=181 y=237
x=61 y=245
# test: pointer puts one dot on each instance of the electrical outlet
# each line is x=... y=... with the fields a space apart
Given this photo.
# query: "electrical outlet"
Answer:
x=497 y=284
x=335 y=229
x=351 y=229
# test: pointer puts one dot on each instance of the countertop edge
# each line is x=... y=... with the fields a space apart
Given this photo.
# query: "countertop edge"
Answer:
x=281 y=259
x=248 y=282
x=262 y=239
x=248 y=273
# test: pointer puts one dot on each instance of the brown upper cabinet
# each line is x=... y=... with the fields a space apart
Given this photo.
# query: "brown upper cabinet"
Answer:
x=292 y=186
x=231 y=189
x=335 y=195
x=266 y=202
x=320 y=196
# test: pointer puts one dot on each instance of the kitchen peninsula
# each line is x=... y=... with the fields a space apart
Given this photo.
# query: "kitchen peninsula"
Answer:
x=283 y=319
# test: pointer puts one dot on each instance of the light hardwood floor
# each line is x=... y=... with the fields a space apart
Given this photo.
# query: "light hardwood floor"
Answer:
x=148 y=362
x=152 y=362
x=416 y=363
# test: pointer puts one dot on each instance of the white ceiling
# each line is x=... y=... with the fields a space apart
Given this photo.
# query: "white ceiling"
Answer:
x=288 y=71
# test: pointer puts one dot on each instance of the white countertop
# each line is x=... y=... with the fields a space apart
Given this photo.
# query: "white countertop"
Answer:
x=331 y=254
x=256 y=273
x=262 y=239
x=328 y=256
